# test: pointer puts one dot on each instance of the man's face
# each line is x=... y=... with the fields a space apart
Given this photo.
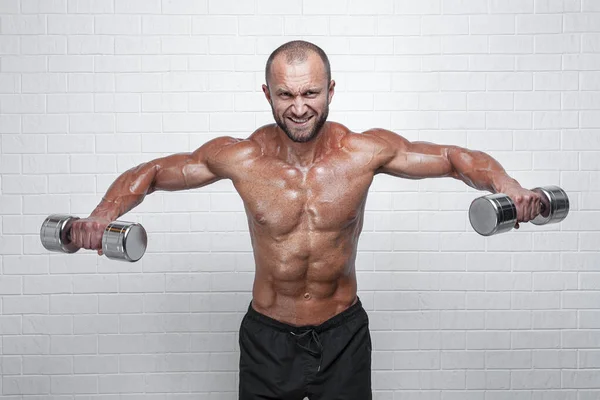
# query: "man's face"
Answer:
x=299 y=95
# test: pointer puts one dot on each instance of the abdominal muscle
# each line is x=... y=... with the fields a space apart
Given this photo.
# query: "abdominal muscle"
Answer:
x=300 y=284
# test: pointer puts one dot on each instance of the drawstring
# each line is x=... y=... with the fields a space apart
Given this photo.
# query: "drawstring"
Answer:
x=314 y=336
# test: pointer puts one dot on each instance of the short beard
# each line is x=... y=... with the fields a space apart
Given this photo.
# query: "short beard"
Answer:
x=315 y=131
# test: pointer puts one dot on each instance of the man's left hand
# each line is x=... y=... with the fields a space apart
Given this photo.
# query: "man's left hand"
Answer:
x=528 y=203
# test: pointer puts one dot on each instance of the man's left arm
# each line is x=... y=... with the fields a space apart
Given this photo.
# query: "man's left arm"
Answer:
x=417 y=160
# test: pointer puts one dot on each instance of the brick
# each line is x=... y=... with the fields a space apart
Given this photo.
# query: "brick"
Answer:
x=557 y=6
x=462 y=81
x=491 y=24
x=184 y=7
x=581 y=62
x=509 y=81
x=9 y=325
x=138 y=7
x=561 y=44
x=117 y=24
x=22 y=104
x=119 y=102
x=10 y=124
x=359 y=7
x=121 y=383
x=464 y=7
x=490 y=101
x=361 y=46
x=74 y=344
x=73 y=304
x=70 y=24
x=589 y=80
x=422 y=7
x=26 y=385
x=588 y=22
x=521 y=44
x=45 y=123
x=69 y=103
x=44 y=6
x=590 y=43
x=91 y=44
x=90 y=6
x=464 y=44
x=555 y=81
x=262 y=25
x=234 y=45
x=511 y=6
x=10 y=44
x=536 y=24
x=398 y=25
x=166 y=25
x=537 y=101
x=492 y=63
x=23 y=64
x=26 y=345
x=10 y=7
x=230 y=7
x=331 y=7
x=164 y=143
x=309 y=26
x=555 y=120
x=90 y=82
x=445 y=25
x=43 y=44
x=23 y=24
x=129 y=45
x=186 y=123
x=47 y=365
x=95 y=364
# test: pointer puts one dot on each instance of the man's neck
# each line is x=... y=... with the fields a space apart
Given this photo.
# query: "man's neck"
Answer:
x=305 y=154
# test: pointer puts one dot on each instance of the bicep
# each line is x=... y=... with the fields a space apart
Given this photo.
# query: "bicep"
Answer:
x=192 y=170
x=414 y=160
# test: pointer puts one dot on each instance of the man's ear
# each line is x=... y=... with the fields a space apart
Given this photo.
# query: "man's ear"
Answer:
x=265 y=90
x=331 y=89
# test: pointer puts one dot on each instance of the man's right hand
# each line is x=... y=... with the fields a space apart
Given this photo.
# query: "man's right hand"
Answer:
x=86 y=233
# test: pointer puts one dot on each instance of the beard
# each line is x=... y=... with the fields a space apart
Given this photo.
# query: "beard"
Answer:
x=282 y=123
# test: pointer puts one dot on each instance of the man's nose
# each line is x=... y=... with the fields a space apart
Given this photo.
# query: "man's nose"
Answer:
x=299 y=107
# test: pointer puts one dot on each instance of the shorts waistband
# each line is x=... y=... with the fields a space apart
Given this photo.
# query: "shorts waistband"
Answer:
x=332 y=322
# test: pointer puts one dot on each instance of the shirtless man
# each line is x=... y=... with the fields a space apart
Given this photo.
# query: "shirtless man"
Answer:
x=304 y=183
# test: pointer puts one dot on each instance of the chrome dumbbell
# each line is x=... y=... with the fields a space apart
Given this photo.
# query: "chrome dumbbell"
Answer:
x=496 y=213
x=124 y=241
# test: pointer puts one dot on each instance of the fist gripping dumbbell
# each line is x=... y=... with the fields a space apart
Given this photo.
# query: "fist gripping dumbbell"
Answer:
x=125 y=241
x=496 y=213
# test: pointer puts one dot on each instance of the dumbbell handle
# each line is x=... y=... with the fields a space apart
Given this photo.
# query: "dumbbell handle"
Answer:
x=121 y=240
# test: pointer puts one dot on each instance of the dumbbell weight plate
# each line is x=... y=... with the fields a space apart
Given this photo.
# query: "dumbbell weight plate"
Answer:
x=124 y=241
x=492 y=214
x=54 y=233
x=556 y=205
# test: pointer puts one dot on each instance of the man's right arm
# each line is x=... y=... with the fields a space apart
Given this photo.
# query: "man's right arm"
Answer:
x=179 y=171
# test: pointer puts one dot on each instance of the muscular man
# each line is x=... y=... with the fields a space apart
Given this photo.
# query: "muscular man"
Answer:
x=304 y=183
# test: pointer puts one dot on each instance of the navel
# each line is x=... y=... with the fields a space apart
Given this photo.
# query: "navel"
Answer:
x=307 y=296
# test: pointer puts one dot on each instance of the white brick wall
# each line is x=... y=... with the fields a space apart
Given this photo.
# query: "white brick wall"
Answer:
x=90 y=88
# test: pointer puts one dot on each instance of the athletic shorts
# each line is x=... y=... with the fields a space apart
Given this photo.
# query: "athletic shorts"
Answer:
x=331 y=361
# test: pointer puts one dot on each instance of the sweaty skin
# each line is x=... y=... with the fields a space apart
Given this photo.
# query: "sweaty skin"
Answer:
x=304 y=190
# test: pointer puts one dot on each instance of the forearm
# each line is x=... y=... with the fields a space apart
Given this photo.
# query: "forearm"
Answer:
x=480 y=171
x=126 y=192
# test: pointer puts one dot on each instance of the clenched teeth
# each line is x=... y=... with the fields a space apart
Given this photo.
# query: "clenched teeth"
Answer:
x=299 y=121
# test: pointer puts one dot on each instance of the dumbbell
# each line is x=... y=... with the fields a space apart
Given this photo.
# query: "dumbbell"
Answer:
x=124 y=241
x=496 y=213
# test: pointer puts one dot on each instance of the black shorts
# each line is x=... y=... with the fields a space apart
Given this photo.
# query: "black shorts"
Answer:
x=331 y=361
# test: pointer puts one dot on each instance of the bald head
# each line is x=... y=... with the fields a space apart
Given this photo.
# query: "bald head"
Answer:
x=297 y=52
